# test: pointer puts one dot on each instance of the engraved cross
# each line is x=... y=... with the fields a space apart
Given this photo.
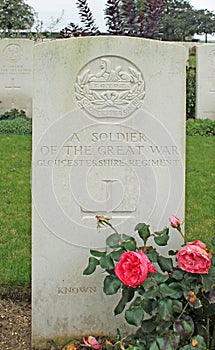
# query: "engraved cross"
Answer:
x=13 y=87
x=114 y=213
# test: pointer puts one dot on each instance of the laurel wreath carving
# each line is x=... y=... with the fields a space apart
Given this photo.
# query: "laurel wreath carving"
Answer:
x=110 y=98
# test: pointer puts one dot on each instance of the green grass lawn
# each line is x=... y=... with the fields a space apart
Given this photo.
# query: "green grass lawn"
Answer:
x=200 y=188
x=15 y=209
x=15 y=205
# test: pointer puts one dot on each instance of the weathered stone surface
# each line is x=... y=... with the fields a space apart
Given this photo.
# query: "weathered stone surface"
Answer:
x=205 y=106
x=109 y=139
x=16 y=70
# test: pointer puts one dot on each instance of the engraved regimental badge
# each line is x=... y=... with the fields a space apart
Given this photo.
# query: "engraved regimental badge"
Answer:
x=13 y=52
x=110 y=87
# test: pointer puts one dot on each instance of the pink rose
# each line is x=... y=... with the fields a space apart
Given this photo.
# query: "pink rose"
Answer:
x=174 y=221
x=194 y=258
x=133 y=268
x=92 y=343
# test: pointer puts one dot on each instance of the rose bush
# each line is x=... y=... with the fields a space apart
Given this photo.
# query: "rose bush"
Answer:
x=170 y=299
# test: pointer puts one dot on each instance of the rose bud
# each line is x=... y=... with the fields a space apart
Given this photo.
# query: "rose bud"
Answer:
x=174 y=221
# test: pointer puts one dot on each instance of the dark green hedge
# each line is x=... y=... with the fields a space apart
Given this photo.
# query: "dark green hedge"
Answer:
x=19 y=126
x=22 y=125
x=200 y=127
x=15 y=122
x=191 y=92
x=13 y=114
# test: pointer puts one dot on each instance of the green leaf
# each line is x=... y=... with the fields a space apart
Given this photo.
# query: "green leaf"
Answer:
x=178 y=275
x=120 y=306
x=106 y=262
x=209 y=308
x=137 y=302
x=116 y=347
x=163 y=327
x=118 y=335
x=93 y=262
x=151 y=293
x=115 y=254
x=127 y=295
x=208 y=280
x=172 y=252
x=143 y=231
x=161 y=241
x=161 y=238
x=213 y=241
x=147 y=306
x=111 y=285
x=201 y=342
x=160 y=277
x=134 y=316
x=154 y=346
x=161 y=343
x=149 y=325
x=148 y=283
x=126 y=237
x=177 y=306
x=213 y=260
x=184 y=328
x=97 y=253
x=166 y=291
x=113 y=240
x=191 y=279
x=161 y=233
x=168 y=342
x=152 y=254
x=165 y=309
x=129 y=244
x=210 y=296
x=165 y=264
x=178 y=288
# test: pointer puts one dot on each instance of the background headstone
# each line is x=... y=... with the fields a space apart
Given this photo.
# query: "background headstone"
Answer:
x=109 y=139
x=16 y=79
x=205 y=103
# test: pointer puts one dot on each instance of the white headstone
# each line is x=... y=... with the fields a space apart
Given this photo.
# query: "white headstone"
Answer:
x=109 y=139
x=16 y=80
x=205 y=103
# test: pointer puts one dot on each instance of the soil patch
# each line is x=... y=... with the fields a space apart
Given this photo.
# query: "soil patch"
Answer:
x=15 y=320
x=15 y=323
